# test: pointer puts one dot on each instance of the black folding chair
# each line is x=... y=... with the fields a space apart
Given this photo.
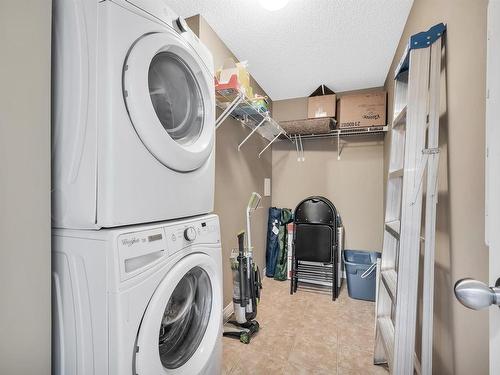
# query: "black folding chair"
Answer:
x=315 y=244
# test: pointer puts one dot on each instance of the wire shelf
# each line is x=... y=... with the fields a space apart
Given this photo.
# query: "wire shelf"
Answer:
x=338 y=134
x=256 y=117
x=349 y=132
x=250 y=113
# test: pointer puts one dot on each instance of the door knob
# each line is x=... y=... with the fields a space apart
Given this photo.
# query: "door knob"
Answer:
x=477 y=295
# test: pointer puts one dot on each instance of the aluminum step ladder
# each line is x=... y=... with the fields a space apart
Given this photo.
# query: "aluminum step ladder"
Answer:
x=412 y=170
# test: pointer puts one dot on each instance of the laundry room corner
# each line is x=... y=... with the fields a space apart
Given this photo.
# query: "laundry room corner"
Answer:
x=237 y=173
x=265 y=187
x=352 y=176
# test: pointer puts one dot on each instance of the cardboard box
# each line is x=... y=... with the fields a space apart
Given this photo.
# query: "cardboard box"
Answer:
x=362 y=110
x=321 y=103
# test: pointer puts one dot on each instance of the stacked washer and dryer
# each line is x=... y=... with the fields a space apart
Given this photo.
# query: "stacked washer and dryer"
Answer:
x=137 y=275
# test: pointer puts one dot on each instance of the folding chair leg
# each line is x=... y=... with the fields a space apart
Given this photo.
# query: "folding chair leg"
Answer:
x=294 y=276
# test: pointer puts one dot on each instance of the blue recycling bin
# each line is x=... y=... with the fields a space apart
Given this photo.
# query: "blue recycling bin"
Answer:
x=361 y=271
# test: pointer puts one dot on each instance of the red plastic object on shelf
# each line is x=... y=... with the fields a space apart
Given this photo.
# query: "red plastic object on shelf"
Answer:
x=227 y=91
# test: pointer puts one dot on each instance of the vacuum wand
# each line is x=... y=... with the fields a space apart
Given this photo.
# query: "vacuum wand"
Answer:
x=242 y=269
x=253 y=203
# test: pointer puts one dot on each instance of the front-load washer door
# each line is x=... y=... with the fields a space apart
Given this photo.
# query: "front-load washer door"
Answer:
x=181 y=325
x=170 y=98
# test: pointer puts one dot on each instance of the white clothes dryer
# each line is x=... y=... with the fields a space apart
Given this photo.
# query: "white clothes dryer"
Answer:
x=133 y=115
x=143 y=300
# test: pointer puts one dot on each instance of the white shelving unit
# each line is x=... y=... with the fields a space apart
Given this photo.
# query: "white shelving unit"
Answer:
x=235 y=104
x=334 y=133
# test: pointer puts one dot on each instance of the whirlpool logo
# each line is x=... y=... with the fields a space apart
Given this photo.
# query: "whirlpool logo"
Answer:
x=130 y=241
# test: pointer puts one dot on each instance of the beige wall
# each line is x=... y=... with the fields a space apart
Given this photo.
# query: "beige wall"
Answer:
x=354 y=183
x=237 y=174
x=25 y=28
x=460 y=335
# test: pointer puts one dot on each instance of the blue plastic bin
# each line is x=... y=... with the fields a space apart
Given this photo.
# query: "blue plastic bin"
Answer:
x=361 y=271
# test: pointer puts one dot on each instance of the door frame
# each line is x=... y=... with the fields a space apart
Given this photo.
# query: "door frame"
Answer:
x=492 y=195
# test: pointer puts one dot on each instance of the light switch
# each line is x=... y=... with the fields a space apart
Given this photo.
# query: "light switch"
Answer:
x=267 y=187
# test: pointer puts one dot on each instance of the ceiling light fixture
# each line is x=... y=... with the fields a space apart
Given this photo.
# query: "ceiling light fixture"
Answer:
x=273 y=5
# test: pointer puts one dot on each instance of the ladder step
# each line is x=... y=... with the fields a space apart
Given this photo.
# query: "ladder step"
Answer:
x=396 y=173
x=387 y=333
x=400 y=119
x=393 y=228
x=390 y=279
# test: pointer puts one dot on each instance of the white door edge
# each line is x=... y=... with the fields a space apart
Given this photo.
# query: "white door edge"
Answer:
x=492 y=194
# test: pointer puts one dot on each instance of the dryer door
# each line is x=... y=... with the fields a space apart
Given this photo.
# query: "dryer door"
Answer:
x=181 y=325
x=169 y=94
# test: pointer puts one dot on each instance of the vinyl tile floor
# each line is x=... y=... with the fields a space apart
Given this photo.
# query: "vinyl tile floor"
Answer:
x=306 y=333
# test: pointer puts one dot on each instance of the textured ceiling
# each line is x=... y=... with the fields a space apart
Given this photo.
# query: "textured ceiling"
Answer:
x=345 y=44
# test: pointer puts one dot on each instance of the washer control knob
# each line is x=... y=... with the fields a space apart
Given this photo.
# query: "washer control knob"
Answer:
x=190 y=234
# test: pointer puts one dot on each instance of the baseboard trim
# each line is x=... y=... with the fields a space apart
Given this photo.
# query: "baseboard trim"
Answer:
x=228 y=311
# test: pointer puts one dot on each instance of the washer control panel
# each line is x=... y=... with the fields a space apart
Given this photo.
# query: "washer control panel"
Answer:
x=142 y=249
x=191 y=233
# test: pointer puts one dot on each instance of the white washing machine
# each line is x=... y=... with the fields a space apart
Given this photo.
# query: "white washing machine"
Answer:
x=143 y=300
x=133 y=115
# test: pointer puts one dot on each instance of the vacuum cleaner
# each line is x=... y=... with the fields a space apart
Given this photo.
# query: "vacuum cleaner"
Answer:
x=247 y=284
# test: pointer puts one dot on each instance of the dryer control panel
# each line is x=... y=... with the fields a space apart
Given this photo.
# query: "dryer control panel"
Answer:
x=140 y=250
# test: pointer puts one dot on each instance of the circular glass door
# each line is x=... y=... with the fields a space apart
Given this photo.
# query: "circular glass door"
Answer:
x=170 y=98
x=185 y=318
x=181 y=328
x=176 y=98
